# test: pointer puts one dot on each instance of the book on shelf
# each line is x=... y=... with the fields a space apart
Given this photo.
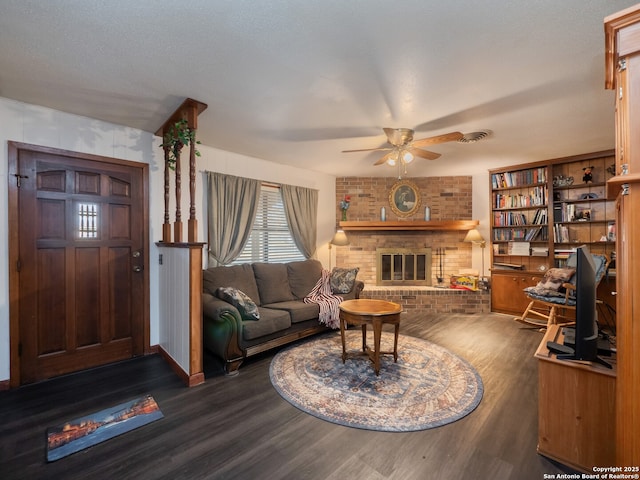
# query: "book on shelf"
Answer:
x=539 y=251
x=507 y=266
x=560 y=233
x=519 y=248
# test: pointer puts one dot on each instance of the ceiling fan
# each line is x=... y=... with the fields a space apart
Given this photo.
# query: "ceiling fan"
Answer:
x=404 y=148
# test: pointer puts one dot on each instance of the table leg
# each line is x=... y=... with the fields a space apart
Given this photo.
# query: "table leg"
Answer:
x=377 y=333
x=395 y=343
x=344 y=345
x=364 y=337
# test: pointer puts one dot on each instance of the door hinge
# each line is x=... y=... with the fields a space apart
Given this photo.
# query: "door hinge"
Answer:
x=18 y=265
x=625 y=189
x=622 y=64
x=19 y=349
x=18 y=178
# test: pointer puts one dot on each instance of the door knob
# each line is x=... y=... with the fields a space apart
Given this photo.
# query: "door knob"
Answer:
x=137 y=268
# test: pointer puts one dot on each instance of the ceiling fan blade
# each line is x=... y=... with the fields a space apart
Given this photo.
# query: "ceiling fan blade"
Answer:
x=367 y=150
x=398 y=136
x=447 y=137
x=385 y=158
x=418 y=152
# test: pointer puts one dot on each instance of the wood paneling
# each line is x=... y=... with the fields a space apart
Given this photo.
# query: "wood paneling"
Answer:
x=622 y=69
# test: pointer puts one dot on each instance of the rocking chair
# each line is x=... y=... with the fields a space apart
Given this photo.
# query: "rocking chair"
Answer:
x=556 y=291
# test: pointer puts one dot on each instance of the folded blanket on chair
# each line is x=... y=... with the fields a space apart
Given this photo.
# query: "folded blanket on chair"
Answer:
x=326 y=300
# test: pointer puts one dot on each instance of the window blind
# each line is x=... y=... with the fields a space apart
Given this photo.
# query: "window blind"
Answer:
x=270 y=239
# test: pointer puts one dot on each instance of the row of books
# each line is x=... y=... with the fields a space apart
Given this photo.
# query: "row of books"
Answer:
x=506 y=219
x=537 y=197
x=532 y=233
x=519 y=178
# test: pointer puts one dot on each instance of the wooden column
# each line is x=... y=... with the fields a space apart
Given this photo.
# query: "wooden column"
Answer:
x=189 y=111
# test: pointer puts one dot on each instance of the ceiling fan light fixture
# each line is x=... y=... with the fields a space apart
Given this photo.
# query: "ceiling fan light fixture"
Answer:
x=391 y=162
x=407 y=157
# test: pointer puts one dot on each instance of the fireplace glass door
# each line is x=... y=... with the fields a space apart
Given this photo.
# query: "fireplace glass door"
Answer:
x=401 y=266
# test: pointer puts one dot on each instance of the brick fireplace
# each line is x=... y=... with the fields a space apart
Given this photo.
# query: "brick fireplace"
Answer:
x=448 y=198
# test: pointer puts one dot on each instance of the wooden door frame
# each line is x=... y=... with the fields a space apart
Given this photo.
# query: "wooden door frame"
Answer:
x=14 y=236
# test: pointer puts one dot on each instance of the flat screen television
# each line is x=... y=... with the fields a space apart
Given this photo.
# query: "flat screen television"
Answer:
x=586 y=329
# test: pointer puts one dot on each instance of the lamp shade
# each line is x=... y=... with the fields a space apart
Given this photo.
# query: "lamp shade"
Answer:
x=340 y=239
x=474 y=236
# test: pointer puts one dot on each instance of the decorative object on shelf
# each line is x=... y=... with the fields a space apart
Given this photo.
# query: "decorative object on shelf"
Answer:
x=427 y=214
x=588 y=174
x=383 y=214
x=440 y=255
x=611 y=169
x=340 y=239
x=344 y=206
x=473 y=236
x=588 y=196
x=404 y=198
x=562 y=181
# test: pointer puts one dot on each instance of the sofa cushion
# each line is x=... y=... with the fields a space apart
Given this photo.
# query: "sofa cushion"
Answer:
x=298 y=310
x=240 y=277
x=273 y=282
x=271 y=321
x=247 y=308
x=343 y=279
x=303 y=276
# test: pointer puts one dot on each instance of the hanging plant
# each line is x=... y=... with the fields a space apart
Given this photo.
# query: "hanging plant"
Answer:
x=177 y=136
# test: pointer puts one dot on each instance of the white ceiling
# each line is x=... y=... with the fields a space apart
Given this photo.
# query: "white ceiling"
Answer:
x=298 y=81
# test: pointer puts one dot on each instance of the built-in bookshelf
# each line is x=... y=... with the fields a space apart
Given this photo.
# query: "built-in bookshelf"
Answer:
x=582 y=214
x=520 y=216
x=541 y=212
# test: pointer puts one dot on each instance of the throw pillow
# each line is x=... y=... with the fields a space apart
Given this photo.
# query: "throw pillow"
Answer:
x=343 y=279
x=247 y=307
x=551 y=283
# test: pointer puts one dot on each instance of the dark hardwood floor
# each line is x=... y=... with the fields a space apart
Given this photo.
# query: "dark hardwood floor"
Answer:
x=240 y=428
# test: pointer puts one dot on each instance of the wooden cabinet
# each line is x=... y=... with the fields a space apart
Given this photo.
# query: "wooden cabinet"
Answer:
x=622 y=73
x=540 y=213
x=575 y=408
x=506 y=291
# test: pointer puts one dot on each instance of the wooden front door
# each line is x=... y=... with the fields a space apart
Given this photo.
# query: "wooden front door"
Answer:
x=80 y=268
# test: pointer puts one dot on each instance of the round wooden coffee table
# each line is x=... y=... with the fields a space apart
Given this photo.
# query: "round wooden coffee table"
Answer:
x=375 y=313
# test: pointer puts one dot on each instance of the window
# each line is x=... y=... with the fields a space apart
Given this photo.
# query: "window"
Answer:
x=88 y=220
x=270 y=239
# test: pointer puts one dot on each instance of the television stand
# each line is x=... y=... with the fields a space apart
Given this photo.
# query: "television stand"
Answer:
x=597 y=360
x=576 y=408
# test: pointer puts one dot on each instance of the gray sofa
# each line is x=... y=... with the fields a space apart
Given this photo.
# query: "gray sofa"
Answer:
x=232 y=333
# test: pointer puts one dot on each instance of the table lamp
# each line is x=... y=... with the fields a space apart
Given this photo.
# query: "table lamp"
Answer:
x=339 y=239
x=473 y=236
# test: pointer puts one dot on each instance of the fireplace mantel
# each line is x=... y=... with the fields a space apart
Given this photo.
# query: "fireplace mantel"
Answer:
x=413 y=225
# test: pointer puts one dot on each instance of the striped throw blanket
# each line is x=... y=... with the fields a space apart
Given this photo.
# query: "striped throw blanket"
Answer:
x=328 y=302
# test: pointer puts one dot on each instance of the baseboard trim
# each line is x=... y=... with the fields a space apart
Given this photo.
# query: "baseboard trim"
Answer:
x=188 y=380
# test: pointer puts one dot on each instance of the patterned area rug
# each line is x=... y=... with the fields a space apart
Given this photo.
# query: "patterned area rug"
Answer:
x=427 y=388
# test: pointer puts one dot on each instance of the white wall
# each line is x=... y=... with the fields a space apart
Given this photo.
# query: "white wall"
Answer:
x=45 y=127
